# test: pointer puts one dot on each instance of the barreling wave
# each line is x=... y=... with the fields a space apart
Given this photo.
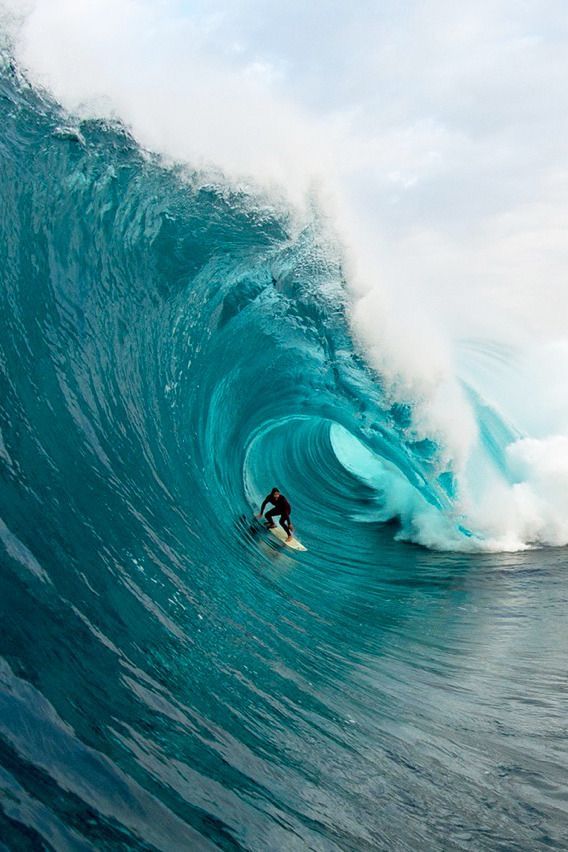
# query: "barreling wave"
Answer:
x=171 y=323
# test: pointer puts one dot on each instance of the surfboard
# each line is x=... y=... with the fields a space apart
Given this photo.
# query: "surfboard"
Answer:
x=281 y=535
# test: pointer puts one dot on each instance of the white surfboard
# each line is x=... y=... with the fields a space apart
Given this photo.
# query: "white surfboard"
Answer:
x=293 y=543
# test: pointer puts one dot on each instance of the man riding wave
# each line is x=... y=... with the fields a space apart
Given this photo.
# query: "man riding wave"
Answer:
x=281 y=507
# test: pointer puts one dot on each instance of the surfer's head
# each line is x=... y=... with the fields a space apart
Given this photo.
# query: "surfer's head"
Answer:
x=275 y=492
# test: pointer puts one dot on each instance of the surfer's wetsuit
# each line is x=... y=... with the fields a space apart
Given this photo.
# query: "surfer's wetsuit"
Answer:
x=282 y=508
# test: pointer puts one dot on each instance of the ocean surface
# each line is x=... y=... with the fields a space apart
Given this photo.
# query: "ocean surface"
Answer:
x=172 y=347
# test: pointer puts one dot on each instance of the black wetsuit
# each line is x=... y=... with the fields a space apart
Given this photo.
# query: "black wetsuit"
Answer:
x=282 y=508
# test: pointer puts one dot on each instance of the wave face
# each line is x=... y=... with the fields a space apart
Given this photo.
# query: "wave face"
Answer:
x=173 y=347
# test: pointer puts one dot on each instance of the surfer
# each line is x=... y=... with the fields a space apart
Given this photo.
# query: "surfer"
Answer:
x=282 y=508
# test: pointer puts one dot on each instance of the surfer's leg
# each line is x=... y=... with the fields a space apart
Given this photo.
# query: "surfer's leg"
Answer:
x=270 y=518
x=286 y=526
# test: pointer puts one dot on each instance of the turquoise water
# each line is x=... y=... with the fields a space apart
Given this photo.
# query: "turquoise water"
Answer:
x=171 y=348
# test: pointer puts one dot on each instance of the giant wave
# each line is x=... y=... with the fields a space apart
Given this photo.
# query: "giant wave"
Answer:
x=173 y=345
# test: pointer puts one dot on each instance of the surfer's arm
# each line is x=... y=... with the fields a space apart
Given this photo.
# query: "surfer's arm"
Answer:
x=263 y=507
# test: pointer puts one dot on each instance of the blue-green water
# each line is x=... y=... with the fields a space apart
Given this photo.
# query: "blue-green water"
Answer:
x=169 y=350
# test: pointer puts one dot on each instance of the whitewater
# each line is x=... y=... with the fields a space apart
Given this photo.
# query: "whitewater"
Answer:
x=218 y=277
